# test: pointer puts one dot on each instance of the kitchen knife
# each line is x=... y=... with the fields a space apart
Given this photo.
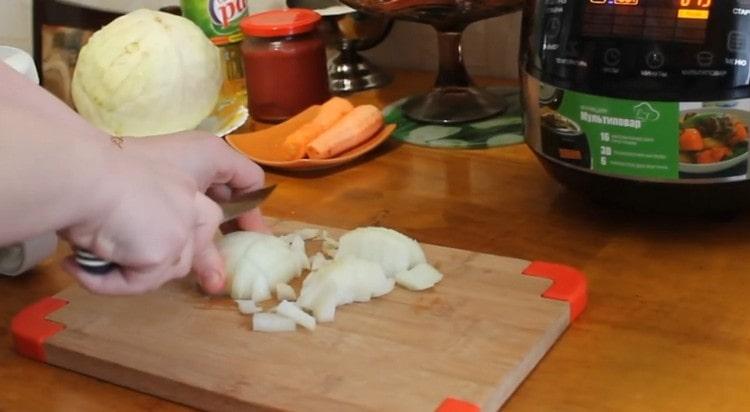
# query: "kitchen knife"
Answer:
x=231 y=210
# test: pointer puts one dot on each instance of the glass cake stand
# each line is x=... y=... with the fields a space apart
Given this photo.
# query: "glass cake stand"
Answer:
x=454 y=98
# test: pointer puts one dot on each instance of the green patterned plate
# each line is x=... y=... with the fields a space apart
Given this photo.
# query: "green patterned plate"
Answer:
x=502 y=130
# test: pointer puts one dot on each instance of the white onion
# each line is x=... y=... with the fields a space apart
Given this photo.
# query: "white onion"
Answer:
x=251 y=255
x=393 y=251
x=272 y=322
x=247 y=306
x=293 y=312
x=261 y=291
x=285 y=292
x=420 y=277
x=342 y=281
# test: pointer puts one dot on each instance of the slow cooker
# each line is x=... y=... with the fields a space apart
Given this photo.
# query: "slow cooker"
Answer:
x=643 y=103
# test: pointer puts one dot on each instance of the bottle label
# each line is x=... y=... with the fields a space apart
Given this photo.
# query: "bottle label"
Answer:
x=219 y=19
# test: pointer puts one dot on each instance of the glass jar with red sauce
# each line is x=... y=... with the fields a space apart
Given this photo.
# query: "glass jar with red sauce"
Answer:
x=285 y=63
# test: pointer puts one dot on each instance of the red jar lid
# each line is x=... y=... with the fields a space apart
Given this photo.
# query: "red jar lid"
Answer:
x=284 y=22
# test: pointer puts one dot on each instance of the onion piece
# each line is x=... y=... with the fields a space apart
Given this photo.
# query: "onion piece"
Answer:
x=324 y=307
x=272 y=322
x=242 y=287
x=420 y=277
x=339 y=282
x=261 y=290
x=307 y=233
x=297 y=246
x=247 y=306
x=250 y=255
x=317 y=261
x=393 y=251
x=293 y=312
x=285 y=292
x=330 y=245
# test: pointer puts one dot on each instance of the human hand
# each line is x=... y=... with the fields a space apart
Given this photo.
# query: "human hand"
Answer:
x=155 y=221
x=211 y=162
x=142 y=209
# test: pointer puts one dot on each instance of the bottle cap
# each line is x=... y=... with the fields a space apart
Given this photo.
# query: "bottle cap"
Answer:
x=276 y=23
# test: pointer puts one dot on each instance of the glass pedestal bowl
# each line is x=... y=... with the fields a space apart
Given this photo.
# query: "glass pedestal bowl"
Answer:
x=454 y=98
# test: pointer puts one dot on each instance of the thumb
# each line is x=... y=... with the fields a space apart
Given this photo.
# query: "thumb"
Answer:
x=208 y=264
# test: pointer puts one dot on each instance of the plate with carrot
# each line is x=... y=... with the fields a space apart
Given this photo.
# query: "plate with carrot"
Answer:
x=712 y=140
x=322 y=136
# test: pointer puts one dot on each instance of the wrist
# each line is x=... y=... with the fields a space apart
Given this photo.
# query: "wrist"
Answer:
x=98 y=181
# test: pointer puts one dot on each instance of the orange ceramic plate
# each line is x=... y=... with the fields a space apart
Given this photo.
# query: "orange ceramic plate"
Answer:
x=264 y=146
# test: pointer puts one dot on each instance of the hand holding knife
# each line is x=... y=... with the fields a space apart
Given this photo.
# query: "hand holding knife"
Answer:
x=94 y=265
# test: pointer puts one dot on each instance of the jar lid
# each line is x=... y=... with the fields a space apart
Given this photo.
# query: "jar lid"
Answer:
x=283 y=22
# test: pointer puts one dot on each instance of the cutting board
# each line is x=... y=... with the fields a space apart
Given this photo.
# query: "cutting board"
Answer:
x=464 y=345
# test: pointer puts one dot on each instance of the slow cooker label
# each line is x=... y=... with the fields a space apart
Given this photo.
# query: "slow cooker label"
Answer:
x=642 y=139
x=626 y=137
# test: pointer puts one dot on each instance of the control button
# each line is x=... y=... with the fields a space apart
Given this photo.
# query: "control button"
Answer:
x=736 y=41
x=612 y=57
x=571 y=49
x=705 y=58
x=655 y=59
x=553 y=26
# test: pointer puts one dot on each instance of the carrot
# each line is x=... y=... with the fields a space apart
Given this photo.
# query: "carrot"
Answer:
x=330 y=112
x=721 y=153
x=704 y=157
x=294 y=144
x=713 y=155
x=354 y=128
x=740 y=133
x=691 y=140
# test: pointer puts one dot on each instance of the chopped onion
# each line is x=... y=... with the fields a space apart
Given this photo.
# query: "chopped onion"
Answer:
x=330 y=245
x=420 y=277
x=393 y=251
x=247 y=306
x=251 y=255
x=324 y=307
x=317 y=261
x=261 y=291
x=297 y=246
x=307 y=233
x=366 y=263
x=339 y=282
x=285 y=292
x=242 y=287
x=293 y=312
x=271 y=322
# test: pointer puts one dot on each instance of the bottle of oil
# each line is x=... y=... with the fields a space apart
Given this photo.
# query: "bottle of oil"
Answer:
x=219 y=20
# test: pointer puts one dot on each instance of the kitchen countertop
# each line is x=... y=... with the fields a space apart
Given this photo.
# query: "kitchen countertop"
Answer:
x=667 y=327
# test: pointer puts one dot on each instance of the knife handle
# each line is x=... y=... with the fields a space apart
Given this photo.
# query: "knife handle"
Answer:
x=93 y=264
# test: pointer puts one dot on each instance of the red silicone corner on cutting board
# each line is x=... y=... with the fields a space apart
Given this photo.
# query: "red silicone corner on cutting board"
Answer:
x=31 y=329
x=569 y=284
x=457 y=405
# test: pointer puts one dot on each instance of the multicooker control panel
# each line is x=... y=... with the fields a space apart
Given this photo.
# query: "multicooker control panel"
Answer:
x=667 y=49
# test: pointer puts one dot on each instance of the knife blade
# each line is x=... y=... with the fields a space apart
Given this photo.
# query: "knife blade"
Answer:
x=232 y=209
x=244 y=203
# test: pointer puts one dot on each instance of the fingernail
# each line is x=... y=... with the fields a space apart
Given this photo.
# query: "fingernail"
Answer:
x=214 y=282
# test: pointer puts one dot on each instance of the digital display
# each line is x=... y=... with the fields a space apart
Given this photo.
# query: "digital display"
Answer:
x=659 y=20
x=618 y=2
x=682 y=3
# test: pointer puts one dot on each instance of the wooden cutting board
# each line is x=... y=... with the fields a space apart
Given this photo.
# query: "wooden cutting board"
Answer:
x=464 y=345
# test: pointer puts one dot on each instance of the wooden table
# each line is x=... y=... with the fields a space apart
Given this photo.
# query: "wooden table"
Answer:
x=668 y=322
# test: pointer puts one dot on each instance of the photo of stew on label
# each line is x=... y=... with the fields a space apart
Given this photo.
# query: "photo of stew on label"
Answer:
x=713 y=139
